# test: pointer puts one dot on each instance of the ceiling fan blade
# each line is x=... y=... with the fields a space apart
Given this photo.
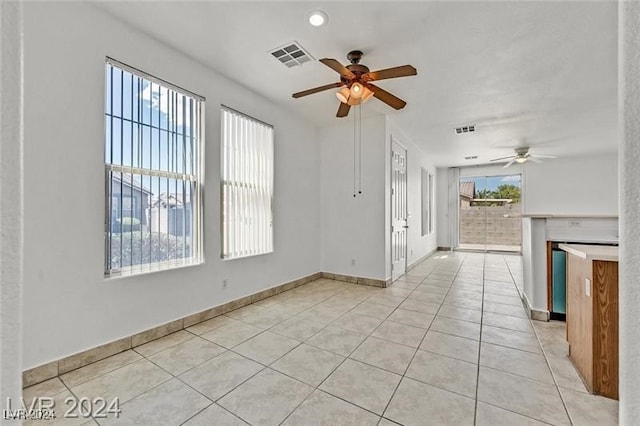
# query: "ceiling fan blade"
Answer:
x=401 y=71
x=386 y=97
x=543 y=156
x=535 y=160
x=503 y=158
x=343 y=110
x=317 y=89
x=338 y=67
x=509 y=163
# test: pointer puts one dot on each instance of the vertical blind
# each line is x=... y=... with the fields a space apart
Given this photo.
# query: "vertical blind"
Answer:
x=431 y=196
x=247 y=185
x=153 y=173
x=425 y=202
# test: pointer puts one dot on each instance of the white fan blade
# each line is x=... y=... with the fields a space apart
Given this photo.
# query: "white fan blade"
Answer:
x=543 y=156
x=509 y=163
x=535 y=160
x=503 y=158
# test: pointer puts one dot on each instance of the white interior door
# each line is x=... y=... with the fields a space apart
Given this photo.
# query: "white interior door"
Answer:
x=398 y=210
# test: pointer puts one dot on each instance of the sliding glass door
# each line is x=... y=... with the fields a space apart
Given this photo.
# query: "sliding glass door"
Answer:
x=489 y=215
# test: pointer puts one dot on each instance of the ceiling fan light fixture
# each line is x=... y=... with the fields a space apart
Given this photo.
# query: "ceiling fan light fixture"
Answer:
x=521 y=160
x=366 y=94
x=343 y=95
x=356 y=90
x=318 y=18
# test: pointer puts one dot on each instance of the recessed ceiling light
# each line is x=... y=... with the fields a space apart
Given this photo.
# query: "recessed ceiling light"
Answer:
x=318 y=18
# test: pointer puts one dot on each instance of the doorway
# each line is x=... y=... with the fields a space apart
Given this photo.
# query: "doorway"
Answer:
x=489 y=213
x=398 y=210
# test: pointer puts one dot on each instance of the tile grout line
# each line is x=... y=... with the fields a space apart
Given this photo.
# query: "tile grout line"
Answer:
x=423 y=337
x=514 y=374
x=368 y=335
x=348 y=357
x=269 y=365
x=226 y=350
x=553 y=376
x=299 y=344
x=475 y=411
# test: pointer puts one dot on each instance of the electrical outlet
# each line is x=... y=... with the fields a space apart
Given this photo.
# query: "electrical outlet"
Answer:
x=353 y=262
x=224 y=283
x=587 y=287
x=575 y=224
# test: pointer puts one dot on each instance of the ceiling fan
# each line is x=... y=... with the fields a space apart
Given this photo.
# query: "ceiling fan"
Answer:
x=356 y=79
x=522 y=156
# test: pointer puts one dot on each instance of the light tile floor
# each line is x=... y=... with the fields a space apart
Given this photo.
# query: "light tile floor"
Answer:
x=447 y=344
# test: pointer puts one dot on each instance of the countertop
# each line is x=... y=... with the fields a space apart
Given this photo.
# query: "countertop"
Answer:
x=592 y=252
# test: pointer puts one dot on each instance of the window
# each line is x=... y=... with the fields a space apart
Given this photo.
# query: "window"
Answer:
x=153 y=173
x=426 y=190
x=430 y=209
x=247 y=185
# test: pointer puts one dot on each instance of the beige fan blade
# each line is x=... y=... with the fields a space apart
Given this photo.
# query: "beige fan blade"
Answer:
x=317 y=89
x=386 y=97
x=343 y=110
x=401 y=71
x=338 y=67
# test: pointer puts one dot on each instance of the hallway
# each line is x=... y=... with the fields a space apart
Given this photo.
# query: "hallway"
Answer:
x=447 y=344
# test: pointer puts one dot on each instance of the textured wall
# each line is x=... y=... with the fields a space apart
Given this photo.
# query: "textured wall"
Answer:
x=66 y=43
x=10 y=201
x=629 y=290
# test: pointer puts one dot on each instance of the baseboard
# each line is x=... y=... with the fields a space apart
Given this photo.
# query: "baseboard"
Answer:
x=416 y=262
x=356 y=280
x=53 y=369
x=534 y=314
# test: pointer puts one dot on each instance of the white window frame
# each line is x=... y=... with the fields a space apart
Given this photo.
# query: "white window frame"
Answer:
x=246 y=185
x=195 y=178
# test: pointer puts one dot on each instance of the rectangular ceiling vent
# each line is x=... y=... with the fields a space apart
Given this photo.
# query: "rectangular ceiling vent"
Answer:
x=291 y=54
x=471 y=157
x=465 y=129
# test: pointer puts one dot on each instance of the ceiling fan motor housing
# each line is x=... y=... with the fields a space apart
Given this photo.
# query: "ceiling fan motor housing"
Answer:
x=354 y=56
x=355 y=67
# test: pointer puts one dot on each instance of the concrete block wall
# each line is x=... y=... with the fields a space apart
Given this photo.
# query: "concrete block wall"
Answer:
x=480 y=225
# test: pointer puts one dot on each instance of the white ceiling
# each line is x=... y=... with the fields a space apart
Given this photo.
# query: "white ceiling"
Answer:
x=541 y=74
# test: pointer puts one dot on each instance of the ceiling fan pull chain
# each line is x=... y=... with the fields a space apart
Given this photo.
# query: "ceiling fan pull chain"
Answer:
x=360 y=149
x=354 y=155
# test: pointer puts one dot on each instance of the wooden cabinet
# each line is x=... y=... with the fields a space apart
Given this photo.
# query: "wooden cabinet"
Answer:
x=592 y=315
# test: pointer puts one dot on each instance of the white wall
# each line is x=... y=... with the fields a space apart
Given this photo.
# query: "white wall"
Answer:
x=417 y=245
x=629 y=290
x=353 y=227
x=68 y=305
x=534 y=263
x=581 y=185
x=359 y=228
x=442 y=211
x=11 y=223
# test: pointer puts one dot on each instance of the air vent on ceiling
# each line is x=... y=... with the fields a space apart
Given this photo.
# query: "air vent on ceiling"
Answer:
x=471 y=157
x=291 y=54
x=465 y=129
